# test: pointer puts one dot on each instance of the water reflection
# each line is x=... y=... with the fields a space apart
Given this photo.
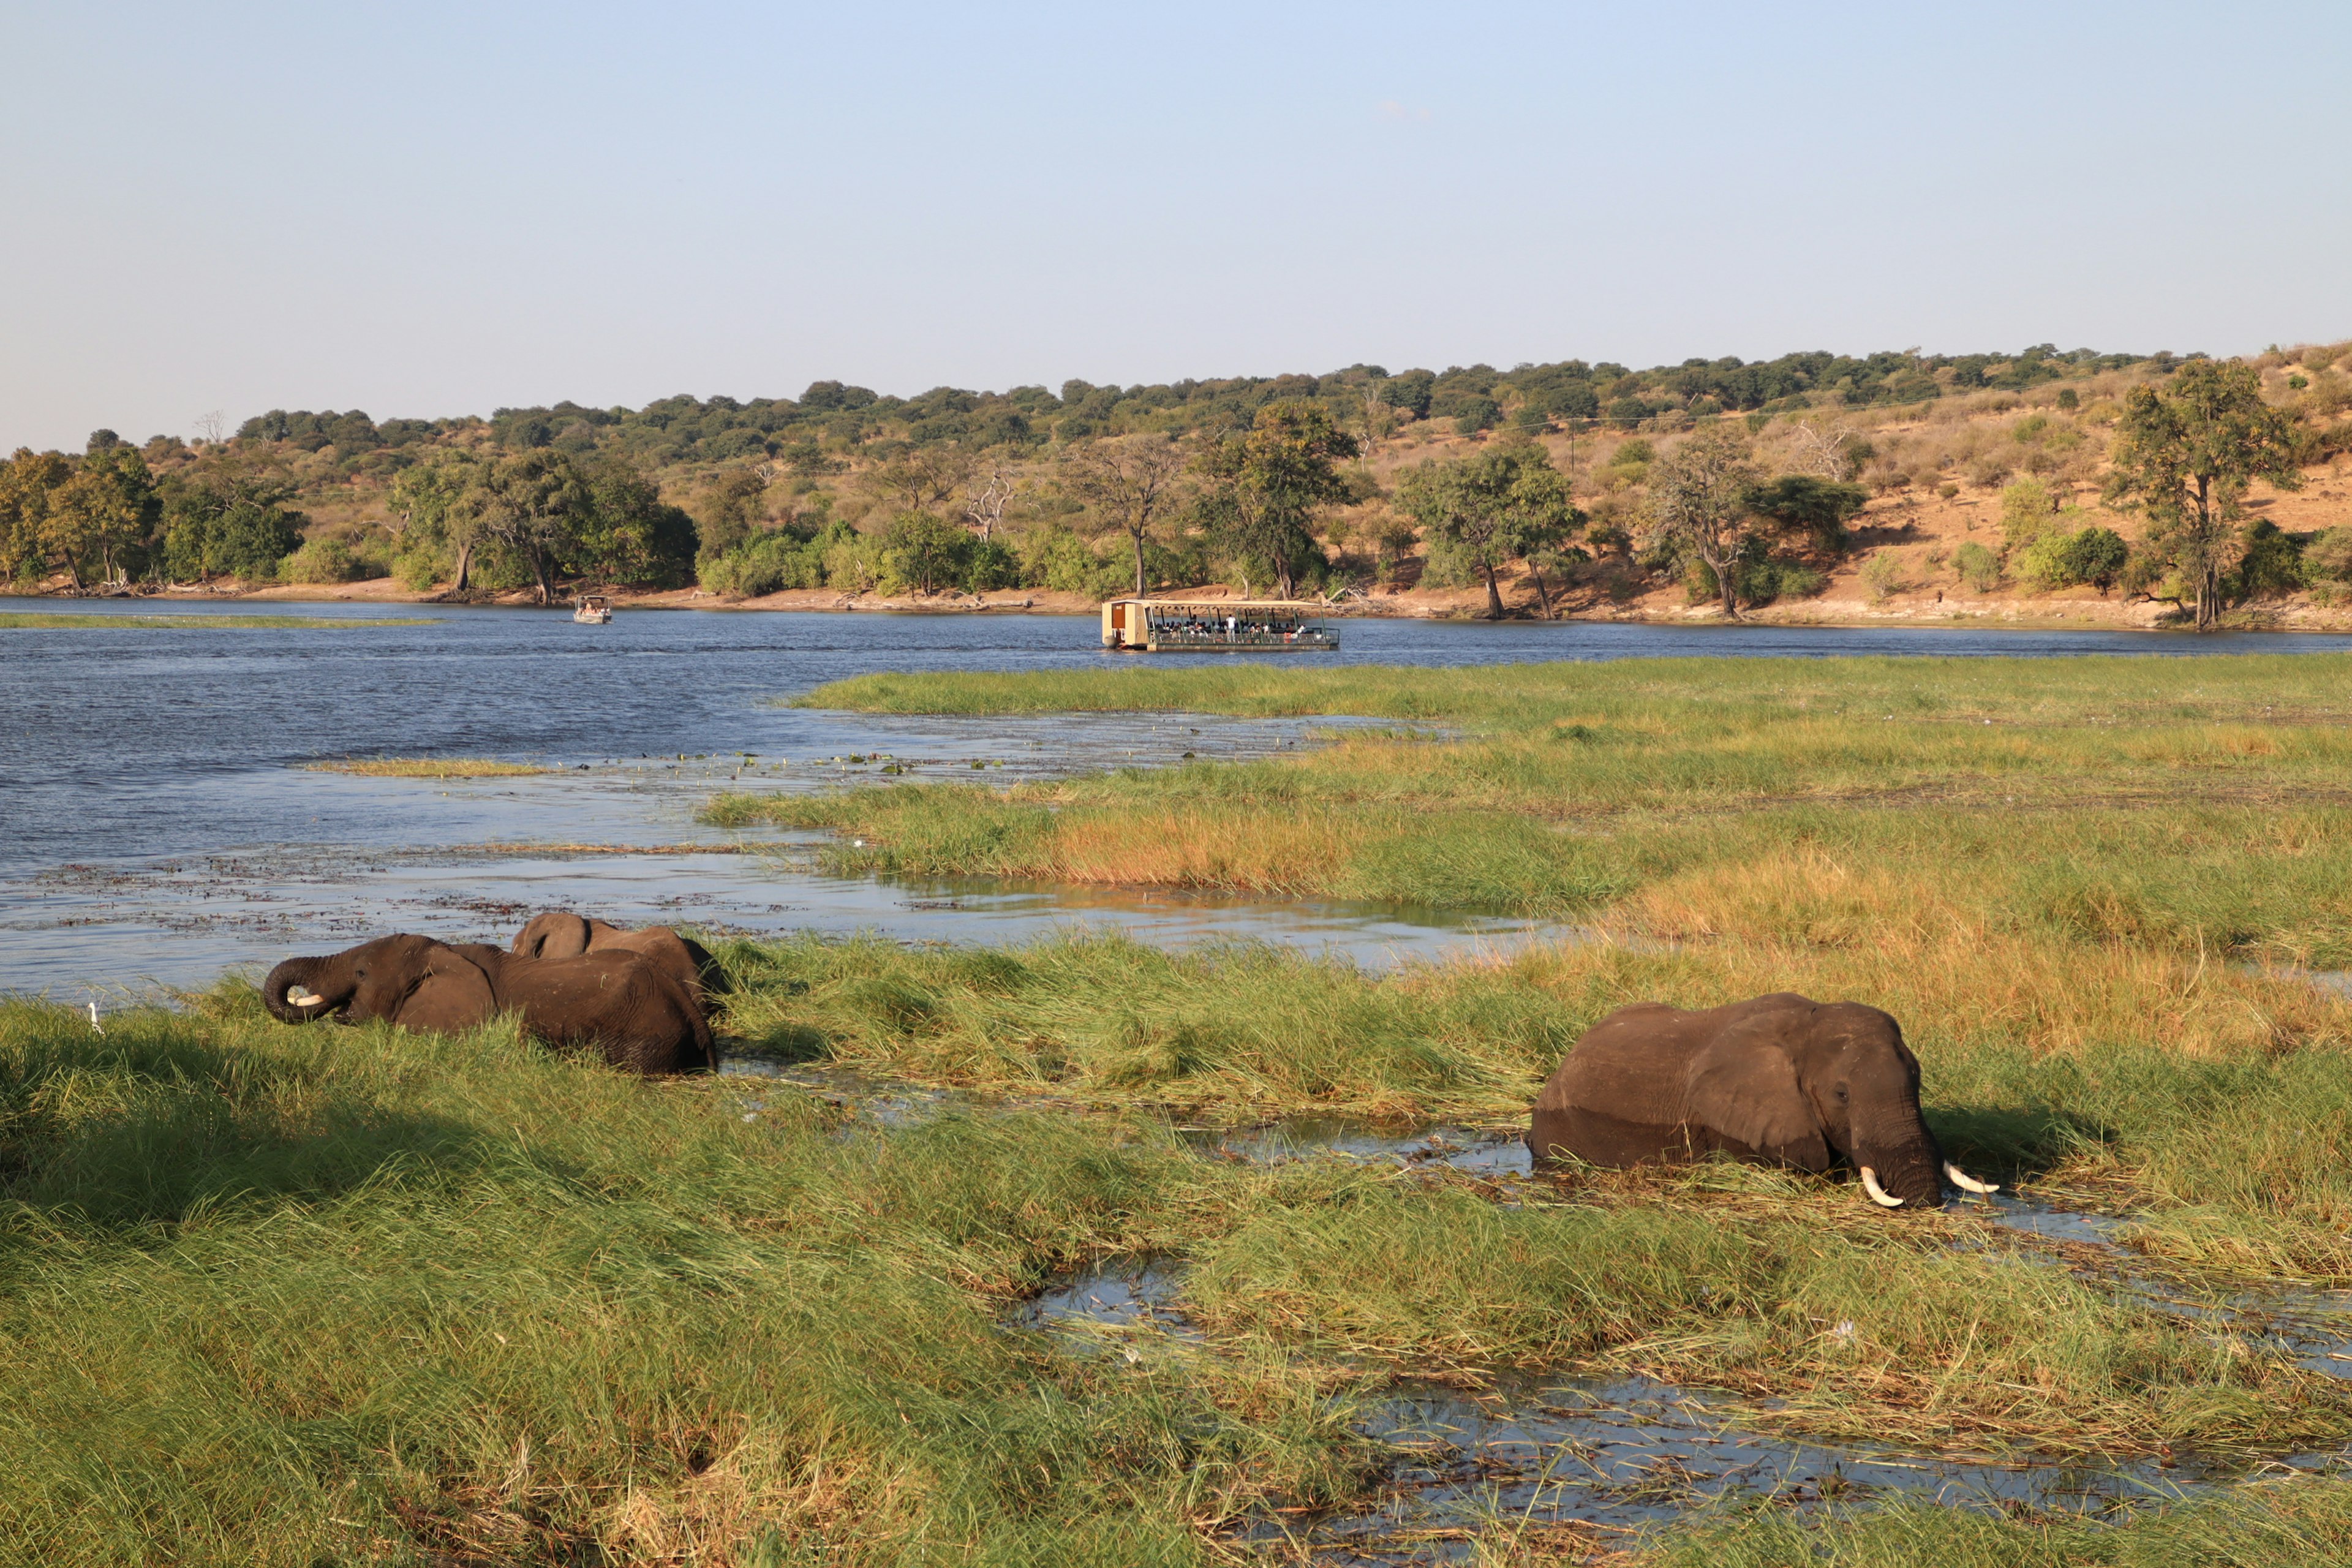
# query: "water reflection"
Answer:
x=1613 y=1454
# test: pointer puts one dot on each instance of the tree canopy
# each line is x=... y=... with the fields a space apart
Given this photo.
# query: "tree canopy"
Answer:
x=1507 y=502
x=2186 y=453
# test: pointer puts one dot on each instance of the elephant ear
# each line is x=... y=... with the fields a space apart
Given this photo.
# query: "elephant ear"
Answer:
x=558 y=933
x=1747 y=1089
x=452 y=994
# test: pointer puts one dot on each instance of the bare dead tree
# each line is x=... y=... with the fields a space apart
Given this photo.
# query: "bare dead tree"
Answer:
x=985 y=508
x=1821 y=452
x=210 y=424
x=1130 y=482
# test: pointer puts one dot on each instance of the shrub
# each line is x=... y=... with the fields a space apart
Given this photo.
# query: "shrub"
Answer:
x=1883 y=575
x=419 y=568
x=1758 y=578
x=1979 y=568
x=2069 y=399
x=2027 y=511
x=1477 y=414
x=323 y=561
x=1989 y=469
x=1054 y=557
x=2096 y=556
x=1947 y=491
x=2273 y=562
x=2330 y=555
x=767 y=562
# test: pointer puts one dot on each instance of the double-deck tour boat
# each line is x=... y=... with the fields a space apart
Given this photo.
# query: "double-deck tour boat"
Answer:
x=1215 y=625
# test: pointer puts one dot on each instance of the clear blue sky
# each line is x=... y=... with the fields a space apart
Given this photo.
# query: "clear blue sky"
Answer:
x=431 y=209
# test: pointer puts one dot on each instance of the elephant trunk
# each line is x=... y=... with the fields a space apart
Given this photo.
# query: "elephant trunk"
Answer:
x=1910 y=1172
x=304 y=990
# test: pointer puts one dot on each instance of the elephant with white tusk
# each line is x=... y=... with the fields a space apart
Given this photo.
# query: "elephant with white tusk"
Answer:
x=1780 y=1080
x=621 y=1004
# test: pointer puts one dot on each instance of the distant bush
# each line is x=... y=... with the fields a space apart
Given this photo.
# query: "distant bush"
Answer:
x=2273 y=562
x=1758 y=578
x=326 y=561
x=2028 y=511
x=2068 y=398
x=1475 y=414
x=419 y=568
x=1978 y=568
x=1988 y=467
x=1883 y=575
x=2064 y=559
x=767 y=562
x=1054 y=557
x=2329 y=556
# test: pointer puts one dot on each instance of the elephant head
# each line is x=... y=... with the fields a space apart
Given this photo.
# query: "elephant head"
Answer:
x=408 y=980
x=1862 y=1083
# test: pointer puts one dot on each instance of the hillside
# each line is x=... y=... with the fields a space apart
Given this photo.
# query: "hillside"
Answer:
x=842 y=496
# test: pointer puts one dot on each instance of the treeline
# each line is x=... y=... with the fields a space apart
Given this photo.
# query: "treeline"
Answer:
x=1468 y=398
x=528 y=519
x=1099 y=490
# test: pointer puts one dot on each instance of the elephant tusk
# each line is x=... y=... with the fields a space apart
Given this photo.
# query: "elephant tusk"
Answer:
x=1877 y=1194
x=304 y=998
x=1966 y=1182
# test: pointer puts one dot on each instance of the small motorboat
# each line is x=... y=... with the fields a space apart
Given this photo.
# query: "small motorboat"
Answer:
x=593 y=610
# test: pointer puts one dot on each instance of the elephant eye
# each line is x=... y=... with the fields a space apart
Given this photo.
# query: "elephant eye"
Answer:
x=1841 y=1092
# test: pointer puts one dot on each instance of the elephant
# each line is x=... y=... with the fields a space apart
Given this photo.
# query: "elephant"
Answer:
x=619 y=1003
x=560 y=933
x=1778 y=1081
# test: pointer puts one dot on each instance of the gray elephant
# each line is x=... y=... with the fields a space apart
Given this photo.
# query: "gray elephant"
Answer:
x=620 y=1005
x=1778 y=1080
x=560 y=933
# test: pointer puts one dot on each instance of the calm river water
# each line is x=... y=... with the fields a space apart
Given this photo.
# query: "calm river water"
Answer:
x=156 y=823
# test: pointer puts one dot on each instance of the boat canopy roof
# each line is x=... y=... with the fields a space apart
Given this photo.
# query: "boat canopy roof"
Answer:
x=1227 y=606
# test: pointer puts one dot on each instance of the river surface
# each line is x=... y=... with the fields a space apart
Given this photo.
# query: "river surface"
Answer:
x=158 y=824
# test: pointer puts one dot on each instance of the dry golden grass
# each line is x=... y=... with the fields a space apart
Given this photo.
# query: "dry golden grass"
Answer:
x=429 y=768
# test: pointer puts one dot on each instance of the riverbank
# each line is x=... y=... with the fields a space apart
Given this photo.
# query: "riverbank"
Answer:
x=2081 y=611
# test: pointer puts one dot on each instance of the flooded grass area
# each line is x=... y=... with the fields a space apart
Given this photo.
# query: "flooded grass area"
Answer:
x=1116 y=1156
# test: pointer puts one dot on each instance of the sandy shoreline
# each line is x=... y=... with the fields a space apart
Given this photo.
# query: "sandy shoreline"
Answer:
x=2086 y=613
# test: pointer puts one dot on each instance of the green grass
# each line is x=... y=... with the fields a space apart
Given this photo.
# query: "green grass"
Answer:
x=280 y=1295
x=284 y=1296
x=42 y=620
x=428 y=768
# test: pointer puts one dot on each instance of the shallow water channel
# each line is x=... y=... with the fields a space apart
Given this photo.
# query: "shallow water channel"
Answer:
x=158 y=825
x=1616 y=1456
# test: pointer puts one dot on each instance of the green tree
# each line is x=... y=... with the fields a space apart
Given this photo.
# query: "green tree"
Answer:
x=631 y=534
x=1265 y=484
x=536 y=506
x=432 y=519
x=106 y=513
x=226 y=514
x=925 y=552
x=29 y=482
x=1698 y=505
x=1504 y=504
x=1129 y=483
x=2187 y=455
x=1808 y=504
